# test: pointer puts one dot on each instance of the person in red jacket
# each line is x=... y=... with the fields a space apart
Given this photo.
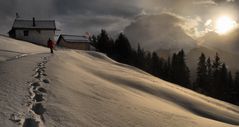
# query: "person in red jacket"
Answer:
x=50 y=44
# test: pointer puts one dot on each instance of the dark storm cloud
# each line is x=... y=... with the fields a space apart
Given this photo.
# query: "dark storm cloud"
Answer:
x=79 y=16
x=6 y=10
x=81 y=23
x=84 y=15
x=26 y=9
x=123 y=8
x=7 y=7
x=77 y=13
x=36 y=8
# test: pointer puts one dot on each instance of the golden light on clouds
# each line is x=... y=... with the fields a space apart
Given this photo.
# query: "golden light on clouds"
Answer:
x=224 y=24
x=221 y=25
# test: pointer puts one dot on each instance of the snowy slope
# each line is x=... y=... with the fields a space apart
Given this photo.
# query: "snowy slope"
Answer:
x=77 y=88
x=11 y=48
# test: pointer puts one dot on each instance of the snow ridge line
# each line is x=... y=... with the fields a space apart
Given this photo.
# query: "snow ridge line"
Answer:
x=35 y=100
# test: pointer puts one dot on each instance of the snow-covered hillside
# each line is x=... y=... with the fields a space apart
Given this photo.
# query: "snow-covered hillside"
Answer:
x=10 y=48
x=76 y=88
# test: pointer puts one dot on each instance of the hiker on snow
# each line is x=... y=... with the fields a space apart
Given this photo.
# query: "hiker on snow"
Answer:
x=50 y=44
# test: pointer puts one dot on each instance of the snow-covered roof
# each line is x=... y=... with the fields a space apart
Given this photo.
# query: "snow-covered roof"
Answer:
x=39 y=24
x=75 y=38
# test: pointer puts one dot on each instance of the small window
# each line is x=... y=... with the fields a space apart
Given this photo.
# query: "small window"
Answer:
x=26 y=32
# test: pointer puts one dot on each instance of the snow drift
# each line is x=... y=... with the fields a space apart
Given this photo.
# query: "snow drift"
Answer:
x=81 y=88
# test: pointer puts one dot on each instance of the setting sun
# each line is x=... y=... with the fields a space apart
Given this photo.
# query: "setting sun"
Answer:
x=224 y=24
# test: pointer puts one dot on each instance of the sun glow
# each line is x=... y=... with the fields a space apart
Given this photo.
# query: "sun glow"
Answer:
x=224 y=25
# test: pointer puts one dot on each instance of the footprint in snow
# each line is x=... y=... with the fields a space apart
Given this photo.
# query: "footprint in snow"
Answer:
x=37 y=76
x=29 y=122
x=43 y=90
x=46 y=81
x=36 y=84
x=39 y=97
x=38 y=108
x=15 y=117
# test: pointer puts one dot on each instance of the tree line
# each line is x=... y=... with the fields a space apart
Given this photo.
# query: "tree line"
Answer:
x=213 y=77
x=215 y=80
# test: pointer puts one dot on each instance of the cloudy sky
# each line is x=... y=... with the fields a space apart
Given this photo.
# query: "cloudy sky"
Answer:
x=80 y=16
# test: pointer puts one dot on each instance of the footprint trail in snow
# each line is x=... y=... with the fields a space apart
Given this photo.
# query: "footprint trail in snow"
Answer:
x=34 y=116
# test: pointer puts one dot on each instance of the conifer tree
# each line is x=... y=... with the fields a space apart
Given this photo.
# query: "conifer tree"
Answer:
x=216 y=63
x=174 y=69
x=236 y=88
x=148 y=61
x=216 y=83
x=93 y=40
x=141 y=57
x=179 y=71
x=229 y=88
x=230 y=79
x=155 y=64
x=201 y=80
x=167 y=69
x=105 y=43
x=223 y=86
x=123 y=49
x=208 y=86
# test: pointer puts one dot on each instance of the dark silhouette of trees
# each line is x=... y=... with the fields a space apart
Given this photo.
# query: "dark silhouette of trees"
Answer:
x=235 y=95
x=93 y=40
x=180 y=73
x=104 y=43
x=140 y=58
x=202 y=80
x=213 y=77
x=215 y=80
x=208 y=86
x=123 y=49
x=229 y=90
x=223 y=82
x=174 y=70
x=222 y=89
x=216 y=76
x=156 y=65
